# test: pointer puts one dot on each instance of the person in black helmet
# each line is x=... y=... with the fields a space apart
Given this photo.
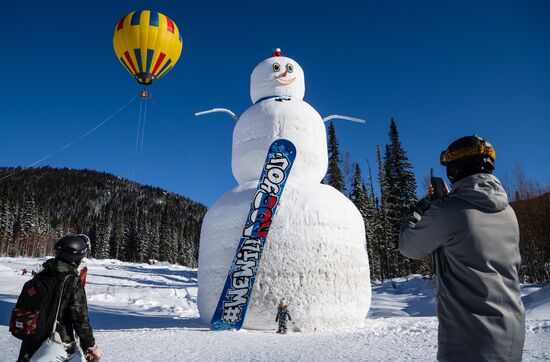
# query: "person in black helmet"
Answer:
x=73 y=312
x=473 y=237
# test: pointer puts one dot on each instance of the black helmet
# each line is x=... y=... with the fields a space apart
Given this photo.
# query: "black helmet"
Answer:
x=467 y=156
x=72 y=248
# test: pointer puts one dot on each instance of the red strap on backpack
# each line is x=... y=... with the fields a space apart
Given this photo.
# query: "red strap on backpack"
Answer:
x=83 y=274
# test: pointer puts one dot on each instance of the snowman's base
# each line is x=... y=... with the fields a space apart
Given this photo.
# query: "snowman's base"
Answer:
x=315 y=257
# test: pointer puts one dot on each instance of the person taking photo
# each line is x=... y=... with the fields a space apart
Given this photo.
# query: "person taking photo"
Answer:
x=473 y=237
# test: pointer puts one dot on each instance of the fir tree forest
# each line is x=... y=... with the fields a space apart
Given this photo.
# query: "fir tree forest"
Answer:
x=132 y=222
x=124 y=220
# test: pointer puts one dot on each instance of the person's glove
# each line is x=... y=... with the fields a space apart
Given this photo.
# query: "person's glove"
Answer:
x=93 y=354
x=421 y=207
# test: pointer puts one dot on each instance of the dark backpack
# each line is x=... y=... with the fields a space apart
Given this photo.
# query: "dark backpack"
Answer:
x=35 y=311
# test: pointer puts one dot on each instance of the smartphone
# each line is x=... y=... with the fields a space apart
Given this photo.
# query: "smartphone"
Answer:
x=440 y=190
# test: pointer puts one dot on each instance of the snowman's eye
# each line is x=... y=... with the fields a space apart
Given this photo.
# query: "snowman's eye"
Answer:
x=289 y=68
x=276 y=67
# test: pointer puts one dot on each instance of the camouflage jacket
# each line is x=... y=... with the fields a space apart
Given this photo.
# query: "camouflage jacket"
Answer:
x=73 y=313
x=282 y=315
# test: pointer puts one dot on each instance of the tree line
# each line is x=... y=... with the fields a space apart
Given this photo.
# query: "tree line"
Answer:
x=531 y=202
x=131 y=222
x=124 y=220
x=384 y=209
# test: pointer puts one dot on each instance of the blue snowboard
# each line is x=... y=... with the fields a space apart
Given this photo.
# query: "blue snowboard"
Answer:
x=237 y=291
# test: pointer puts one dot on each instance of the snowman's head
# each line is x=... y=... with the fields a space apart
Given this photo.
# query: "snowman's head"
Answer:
x=277 y=76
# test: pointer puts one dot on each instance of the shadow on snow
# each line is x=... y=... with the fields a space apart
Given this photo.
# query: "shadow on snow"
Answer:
x=107 y=318
x=404 y=297
x=188 y=274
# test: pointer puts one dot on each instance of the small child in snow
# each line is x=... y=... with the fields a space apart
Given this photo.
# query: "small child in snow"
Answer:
x=282 y=315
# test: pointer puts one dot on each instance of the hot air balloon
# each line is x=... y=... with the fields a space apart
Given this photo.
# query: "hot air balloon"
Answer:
x=148 y=44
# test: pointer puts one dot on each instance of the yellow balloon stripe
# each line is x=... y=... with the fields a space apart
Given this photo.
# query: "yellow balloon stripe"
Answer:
x=119 y=43
x=143 y=38
x=148 y=44
x=163 y=43
x=158 y=45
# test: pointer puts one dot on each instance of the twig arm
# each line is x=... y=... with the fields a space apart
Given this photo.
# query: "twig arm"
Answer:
x=218 y=110
x=347 y=118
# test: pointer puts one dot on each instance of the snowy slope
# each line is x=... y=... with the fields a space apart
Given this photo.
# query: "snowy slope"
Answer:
x=149 y=313
x=537 y=303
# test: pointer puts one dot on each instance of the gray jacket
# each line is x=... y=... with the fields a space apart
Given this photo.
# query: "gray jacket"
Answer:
x=474 y=238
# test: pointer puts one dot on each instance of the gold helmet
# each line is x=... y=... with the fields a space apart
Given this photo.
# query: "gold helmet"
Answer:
x=467 y=156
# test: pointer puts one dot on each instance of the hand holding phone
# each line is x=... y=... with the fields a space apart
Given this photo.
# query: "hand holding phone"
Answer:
x=438 y=189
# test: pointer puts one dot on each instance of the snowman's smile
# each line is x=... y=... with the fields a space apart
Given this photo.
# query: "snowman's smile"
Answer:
x=285 y=81
x=280 y=80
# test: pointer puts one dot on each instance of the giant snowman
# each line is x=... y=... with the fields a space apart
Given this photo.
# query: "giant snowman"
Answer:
x=315 y=254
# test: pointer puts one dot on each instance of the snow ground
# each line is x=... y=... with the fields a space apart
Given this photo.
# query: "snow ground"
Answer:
x=149 y=313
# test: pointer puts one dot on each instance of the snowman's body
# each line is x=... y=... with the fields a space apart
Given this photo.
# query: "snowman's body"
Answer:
x=315 y=253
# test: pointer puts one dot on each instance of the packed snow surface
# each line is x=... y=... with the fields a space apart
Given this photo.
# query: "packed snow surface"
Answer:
x=146 y=312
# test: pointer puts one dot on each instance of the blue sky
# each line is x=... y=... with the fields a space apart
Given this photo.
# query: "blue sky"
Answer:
x=443 y=69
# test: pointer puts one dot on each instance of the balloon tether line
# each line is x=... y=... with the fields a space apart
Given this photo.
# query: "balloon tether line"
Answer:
x=138 y=126
x=143 y=127
x=86 y=134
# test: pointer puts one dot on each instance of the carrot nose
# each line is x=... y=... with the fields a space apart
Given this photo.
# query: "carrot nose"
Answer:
x=284 y=74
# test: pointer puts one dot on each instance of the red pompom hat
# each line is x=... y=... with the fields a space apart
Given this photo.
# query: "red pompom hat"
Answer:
x=277 y=53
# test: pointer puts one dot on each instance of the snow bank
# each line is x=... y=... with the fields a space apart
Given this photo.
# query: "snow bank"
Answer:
x=537 y=304
x=404 y=297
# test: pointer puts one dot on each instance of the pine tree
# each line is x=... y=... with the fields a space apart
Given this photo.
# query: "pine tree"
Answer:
x=9 y=220
x=154 y=238
x=17 y=235
x=142 y=238
x=116 y=238
x=400 y=196
x=42 y=224
x=382 y=224
x=186 y=246
x=3 y=225
x=404 y=178
x=29 y=216
x=392 y=215
x=357 y=194
x=373 y=240
x=131 y=240
x=334 y=176
x=370 y=207
x=359 y=197
x=168 y=243
x=3 y=202
x=102 y=236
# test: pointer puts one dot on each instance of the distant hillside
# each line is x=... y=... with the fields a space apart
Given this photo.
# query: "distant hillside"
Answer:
x=124 y=220
x=533 y=215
